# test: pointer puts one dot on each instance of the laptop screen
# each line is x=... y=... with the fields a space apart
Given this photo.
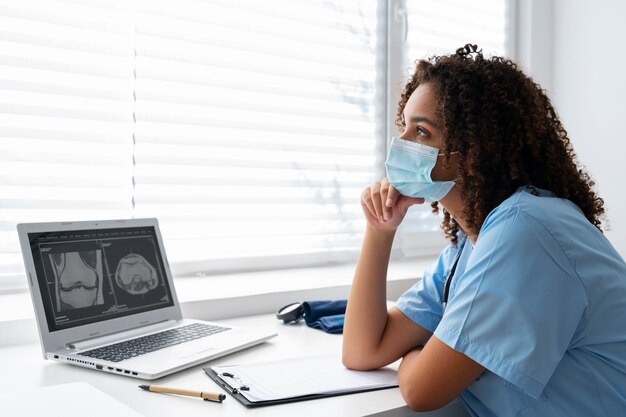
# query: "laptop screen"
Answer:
x=87 y=276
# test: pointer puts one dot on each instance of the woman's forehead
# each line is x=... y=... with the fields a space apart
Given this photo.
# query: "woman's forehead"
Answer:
x=422 y=105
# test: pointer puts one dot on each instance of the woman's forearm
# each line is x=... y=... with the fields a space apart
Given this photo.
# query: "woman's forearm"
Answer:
x=366 y=313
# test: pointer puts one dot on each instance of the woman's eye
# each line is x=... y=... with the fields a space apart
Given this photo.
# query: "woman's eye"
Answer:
x=421 y=132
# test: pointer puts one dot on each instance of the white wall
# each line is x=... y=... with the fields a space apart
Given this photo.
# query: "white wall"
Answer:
x=589 y=93
x=576 y=50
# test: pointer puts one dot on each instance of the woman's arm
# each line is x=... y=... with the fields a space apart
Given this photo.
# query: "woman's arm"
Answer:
x=374 y=337
x=431 y=377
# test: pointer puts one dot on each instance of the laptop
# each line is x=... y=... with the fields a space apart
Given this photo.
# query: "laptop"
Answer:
x=104 y=299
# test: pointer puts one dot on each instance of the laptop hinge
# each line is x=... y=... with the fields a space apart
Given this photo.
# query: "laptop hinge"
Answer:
x=119 y=336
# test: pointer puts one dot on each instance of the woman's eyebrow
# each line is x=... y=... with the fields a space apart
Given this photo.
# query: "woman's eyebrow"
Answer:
x=418 y=119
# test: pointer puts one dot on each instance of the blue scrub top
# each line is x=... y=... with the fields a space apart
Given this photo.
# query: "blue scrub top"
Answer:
x=540 y=302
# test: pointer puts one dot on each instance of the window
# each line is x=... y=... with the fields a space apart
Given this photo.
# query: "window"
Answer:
x=481 y=22
x=442 y=26
x=66 y=118
x=248 y=128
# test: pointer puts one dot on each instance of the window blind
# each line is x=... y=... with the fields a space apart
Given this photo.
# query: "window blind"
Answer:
x=256 y=129
x=248 y=128
x=440 y=27
x=66 y=83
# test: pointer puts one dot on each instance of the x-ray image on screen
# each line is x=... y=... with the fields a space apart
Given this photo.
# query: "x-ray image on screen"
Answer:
x=136 y=275
x=78 y=279
x=134 y=272
x=93 y=275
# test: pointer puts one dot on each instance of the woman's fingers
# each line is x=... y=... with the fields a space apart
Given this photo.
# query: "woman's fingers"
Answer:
x=366 y=202
x=392 y=195
x=377 y=201
x=394 y=198
x=384 y=205
x=385 y=187
x=373 y=201
x=405 y=202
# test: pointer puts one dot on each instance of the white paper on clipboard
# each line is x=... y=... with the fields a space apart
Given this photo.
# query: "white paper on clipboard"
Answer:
x=297 y=377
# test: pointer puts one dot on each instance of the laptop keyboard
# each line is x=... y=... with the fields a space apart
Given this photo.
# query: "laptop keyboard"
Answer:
x=145 y=344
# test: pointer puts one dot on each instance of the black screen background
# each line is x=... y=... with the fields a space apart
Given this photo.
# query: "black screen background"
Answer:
x=114 y=245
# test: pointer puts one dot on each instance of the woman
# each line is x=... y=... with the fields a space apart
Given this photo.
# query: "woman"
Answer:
x=524 y=313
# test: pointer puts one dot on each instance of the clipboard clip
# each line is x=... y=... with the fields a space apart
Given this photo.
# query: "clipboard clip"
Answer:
x=234 y=389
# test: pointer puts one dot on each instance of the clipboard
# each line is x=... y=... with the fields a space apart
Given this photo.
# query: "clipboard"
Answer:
x=297 y=379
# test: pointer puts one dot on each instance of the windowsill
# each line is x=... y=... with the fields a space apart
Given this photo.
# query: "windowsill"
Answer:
x=241 y=294
x=192 y=289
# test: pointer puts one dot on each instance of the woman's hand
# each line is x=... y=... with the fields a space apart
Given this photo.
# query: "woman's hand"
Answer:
x=384 y=207
x=374 y=336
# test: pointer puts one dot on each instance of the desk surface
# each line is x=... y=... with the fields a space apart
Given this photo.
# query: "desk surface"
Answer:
x=23 y=367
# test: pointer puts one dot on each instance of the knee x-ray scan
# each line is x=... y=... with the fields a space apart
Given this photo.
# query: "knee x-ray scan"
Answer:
x=94 y=276
x=135 y=275
x=78 y=279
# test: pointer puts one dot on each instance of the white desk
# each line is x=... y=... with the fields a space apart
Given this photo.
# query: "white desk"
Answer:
x=23 y=367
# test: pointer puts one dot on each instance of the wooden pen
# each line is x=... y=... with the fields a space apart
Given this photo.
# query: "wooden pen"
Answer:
x=206 y=396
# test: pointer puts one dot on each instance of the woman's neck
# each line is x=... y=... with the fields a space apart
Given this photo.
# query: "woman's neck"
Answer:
x=453 y=204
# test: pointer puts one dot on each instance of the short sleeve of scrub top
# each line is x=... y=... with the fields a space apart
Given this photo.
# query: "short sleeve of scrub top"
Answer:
x=422 y=302
x=517 y=304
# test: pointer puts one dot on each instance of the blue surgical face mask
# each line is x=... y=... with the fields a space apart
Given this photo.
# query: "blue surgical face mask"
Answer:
x=409 y=167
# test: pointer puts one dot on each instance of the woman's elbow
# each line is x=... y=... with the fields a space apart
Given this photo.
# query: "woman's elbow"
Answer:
x=352 y=356
x=421 y=405
x=360 y=359
x=355 y=362
x=349 y=362
x=419 y=400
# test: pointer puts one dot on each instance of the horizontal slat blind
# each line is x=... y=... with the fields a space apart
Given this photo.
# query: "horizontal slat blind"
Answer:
x=66 y=83
x=248 y=128
x=256 y=129
x=437 y=26
x=440 y=27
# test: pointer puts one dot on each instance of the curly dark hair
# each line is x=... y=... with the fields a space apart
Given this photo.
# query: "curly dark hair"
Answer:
x=506 y=132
